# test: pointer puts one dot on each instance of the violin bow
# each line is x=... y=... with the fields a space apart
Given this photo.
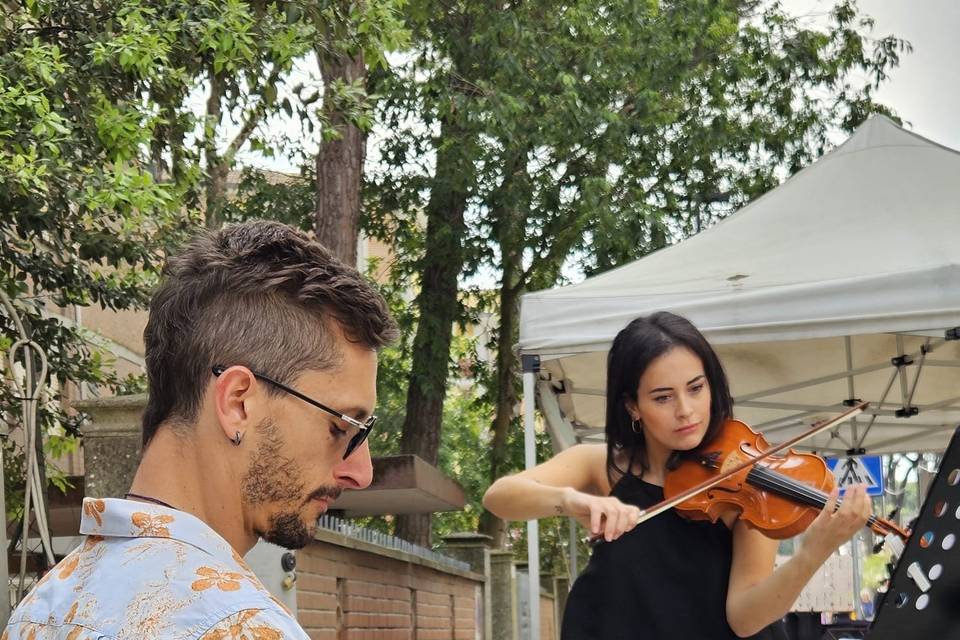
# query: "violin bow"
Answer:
x=820 y=427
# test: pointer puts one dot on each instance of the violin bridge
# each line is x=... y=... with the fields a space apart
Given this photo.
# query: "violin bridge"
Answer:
x=731 y=461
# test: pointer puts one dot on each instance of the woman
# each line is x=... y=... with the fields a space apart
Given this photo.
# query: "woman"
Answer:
x=669 y=577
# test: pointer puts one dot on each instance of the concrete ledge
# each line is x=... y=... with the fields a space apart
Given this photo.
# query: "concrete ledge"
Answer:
x=112 y=415
x=403 y=484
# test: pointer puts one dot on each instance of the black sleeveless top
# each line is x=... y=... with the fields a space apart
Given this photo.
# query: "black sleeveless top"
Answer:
x=664 y=580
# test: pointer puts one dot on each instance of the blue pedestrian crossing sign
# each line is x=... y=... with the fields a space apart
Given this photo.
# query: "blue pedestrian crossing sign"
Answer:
x=854 y=470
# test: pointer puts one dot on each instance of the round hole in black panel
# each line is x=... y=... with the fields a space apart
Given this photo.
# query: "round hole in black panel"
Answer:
x=927 y=539
x=948 y=541
x=940 y=508
x=954 y=477
x=922 y=601
x=901 y=600
x=935 y=571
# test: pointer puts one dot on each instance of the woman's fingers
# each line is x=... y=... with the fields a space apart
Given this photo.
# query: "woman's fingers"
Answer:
x=610 y=518
x=610 y=532
x=596 y=516
x=836 y=525
x=831 y=505
x=859 y=511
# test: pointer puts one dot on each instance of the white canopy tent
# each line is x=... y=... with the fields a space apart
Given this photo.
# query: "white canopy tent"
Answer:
x=842 y=283
x=808 y=293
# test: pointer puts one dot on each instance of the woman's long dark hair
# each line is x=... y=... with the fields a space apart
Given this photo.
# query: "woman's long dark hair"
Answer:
x=635 y=347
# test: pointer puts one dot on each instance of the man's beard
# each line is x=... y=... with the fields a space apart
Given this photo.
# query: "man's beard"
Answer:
x=287 y=528
x=272 y=478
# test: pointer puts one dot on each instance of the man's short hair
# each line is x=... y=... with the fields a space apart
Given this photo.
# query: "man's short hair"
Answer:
x=259 y=294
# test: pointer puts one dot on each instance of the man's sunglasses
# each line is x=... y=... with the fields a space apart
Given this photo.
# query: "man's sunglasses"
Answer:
x=364 y=427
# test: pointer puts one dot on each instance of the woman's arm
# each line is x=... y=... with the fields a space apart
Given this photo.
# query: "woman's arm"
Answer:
x=565 y=485
x=758 y=595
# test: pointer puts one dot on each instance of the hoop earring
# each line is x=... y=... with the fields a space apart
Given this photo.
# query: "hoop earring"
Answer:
x=637 y=426
x=236 y=439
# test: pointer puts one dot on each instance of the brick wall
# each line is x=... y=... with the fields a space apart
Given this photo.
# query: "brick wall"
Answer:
x=351 y=590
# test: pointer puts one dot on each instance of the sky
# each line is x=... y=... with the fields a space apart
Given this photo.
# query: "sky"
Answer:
x=925 y=89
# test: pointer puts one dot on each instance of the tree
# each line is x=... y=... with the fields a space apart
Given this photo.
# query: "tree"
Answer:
x=437 y=87
x=83 y=220
x=99 y=173
x=240 y=54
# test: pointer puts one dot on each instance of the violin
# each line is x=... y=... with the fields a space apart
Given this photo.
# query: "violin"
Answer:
x=779 y=495
x=737 y=470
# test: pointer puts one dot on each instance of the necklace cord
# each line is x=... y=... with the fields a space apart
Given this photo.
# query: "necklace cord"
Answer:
x=137 y=496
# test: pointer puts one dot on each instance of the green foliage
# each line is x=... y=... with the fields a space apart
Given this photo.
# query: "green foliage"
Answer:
x=271 y=196
x=82 y=219
x=99 y=173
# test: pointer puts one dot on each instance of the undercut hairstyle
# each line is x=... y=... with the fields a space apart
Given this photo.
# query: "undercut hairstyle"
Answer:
x=637 y=345
x=259 y=294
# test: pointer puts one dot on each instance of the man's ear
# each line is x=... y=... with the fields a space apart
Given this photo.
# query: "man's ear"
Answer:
x=235 y=400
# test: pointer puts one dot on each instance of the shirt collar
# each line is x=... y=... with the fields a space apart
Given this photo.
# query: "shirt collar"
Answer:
x=117 y=518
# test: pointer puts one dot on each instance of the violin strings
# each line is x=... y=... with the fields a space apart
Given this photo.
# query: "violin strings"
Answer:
x=765 y=478
x=800 y=491
x=792 y=489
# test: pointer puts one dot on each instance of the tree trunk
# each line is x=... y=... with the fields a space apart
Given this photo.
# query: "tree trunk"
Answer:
x=216 y=187
x=216 y=192
x=438 y=306
x=510 y=210
x=506 y=390
x=340 y=166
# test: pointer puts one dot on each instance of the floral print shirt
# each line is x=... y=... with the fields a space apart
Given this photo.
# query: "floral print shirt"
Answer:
x=145 y=571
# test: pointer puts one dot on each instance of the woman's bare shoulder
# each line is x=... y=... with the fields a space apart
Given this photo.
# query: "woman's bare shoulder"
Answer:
x=593 y=457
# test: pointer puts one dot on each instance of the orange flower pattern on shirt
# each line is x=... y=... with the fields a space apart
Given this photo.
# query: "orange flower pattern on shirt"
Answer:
x=225 y=581
x=94 y=508
x=152 y=526
x=68 y=566
x=243 y=626
x=146 y=571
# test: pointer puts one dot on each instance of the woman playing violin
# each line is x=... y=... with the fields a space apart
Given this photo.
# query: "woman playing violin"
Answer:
x=669 y=577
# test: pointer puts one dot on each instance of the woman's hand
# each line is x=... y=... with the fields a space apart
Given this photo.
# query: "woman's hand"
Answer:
x=606 y=517
x=835 y=526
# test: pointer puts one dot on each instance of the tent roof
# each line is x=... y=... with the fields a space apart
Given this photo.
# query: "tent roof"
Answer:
x=863 y=240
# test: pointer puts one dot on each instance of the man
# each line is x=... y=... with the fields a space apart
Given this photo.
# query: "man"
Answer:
x=261 y=357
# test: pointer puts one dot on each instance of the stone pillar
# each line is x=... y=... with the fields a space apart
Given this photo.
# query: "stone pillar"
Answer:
x=503 y=591
x=561 y=589
x=111 y=443
x=474 y=549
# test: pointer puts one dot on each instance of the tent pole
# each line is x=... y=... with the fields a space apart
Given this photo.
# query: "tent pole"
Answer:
x=574 y=569
x=851 y=394
x=531 y=366
x=856 y=553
